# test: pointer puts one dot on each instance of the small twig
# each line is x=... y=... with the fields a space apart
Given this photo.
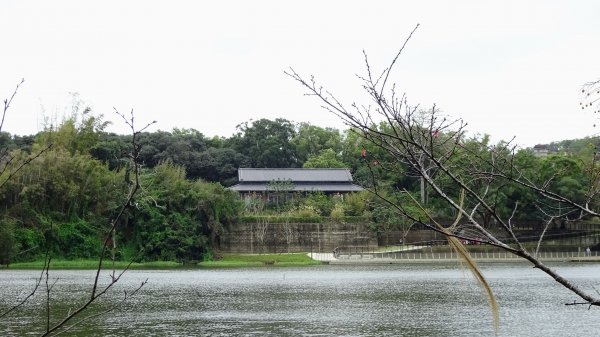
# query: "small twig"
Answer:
x=112 y=308
x=589 y=304
x=34 y=290
x=389 y=69
x=47 y=300
x=7 y=103
x=133 y=188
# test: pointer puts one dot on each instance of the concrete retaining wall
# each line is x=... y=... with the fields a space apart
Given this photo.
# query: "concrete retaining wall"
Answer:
x=265 y=237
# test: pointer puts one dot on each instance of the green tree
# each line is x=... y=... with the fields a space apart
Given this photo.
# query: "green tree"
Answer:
x=218 y=208
x=8 y=246
x=180 y=219
x=310 y=140
x=78 y=133
x=267 y=143
x=112 y=150
x=565 y=176
x=325 y=159
x=69 y=185
x=220 y=165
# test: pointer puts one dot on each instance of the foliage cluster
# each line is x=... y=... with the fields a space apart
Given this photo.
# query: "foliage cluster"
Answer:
x=68 y=194
x=62 y=202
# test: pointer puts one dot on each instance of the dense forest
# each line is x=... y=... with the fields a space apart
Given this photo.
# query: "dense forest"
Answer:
x=62 y=201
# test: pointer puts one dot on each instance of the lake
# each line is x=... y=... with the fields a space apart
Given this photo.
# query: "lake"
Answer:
x=328 y=300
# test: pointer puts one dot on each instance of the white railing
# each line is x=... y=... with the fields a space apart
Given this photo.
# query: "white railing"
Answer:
x=451 y=255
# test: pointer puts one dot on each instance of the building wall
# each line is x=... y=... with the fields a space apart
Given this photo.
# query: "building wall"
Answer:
x=265 y=237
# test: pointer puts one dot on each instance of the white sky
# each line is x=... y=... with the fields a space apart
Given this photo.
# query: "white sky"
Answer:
x=509 y=68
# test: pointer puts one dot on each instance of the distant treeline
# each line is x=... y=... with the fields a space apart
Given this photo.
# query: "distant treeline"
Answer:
x=63 y=200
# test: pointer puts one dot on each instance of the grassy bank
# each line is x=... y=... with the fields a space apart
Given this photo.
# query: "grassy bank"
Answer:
x=226 y=261
x=255 y=260
x=93 y=264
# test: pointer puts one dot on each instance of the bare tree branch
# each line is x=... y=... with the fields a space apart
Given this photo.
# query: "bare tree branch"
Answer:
x=97 y=292
x=12 y=166
x=126 y=296
x=7 y=103
x=35 y=287
x=433 y=147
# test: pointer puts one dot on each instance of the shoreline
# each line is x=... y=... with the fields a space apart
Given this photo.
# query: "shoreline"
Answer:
x=440 y=261
x=365 y=259
x=228 y=260
x=277 y=260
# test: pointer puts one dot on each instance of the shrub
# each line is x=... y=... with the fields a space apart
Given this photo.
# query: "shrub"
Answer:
x=77 y=240
x=356 y=203
x=306 y=212
x=337 y=213
x=320 y=202
x=7 y=242
x=29 y=243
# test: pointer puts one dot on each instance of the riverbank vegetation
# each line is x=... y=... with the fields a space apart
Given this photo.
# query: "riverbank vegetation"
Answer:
x=259 y=260
x=91 y=264
x=60 y=201
x=224 y=261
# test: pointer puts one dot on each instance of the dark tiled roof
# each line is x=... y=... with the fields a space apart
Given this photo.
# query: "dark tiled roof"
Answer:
x=304 y=187
x=302 y=180
x=294 y=175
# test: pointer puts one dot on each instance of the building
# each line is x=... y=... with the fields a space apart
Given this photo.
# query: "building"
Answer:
x=265 y=181
x=544 y=150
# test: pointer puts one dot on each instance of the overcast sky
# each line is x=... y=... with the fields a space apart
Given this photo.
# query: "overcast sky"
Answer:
x=509 y=68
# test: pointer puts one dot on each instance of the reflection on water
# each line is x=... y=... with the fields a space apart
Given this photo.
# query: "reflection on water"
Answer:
x=389 y=300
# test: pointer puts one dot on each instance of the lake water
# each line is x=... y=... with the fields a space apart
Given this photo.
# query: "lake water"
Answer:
x=378 y=300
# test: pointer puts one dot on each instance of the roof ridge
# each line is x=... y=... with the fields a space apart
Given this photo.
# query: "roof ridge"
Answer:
x=293 y=168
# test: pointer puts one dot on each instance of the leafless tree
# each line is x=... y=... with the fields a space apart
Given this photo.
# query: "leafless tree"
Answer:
x=9 y=164
x=79 y=314
x=590 y=96
x=433 y=146
x=288 y=232
x=262 y=224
